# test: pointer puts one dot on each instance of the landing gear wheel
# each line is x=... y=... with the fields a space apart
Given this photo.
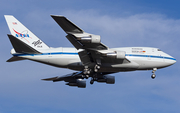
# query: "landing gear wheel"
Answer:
x=87 y=76
x=87 y=71
x=96 y=68
x=91 y=82
x=153 y=76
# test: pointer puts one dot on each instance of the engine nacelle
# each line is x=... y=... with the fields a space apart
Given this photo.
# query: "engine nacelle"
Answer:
x=95 y=39
x=108 y=79
x=117 y=54
x=79 y=83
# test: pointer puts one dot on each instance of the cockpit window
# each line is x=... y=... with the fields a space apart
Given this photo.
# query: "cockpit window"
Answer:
x=159 y=50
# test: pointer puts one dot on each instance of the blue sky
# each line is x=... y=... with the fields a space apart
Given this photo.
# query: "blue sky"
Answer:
x=121 y=23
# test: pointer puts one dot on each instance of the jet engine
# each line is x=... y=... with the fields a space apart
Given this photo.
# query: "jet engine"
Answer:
x=95 y=39
x=79 y=83
x=108 y=79
x=116 y=54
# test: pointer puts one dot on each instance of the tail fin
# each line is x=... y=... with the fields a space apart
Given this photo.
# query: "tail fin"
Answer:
x=23 y=36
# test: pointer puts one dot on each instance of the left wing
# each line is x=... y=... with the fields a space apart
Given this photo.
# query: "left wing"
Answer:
x=73 y=79
x=76 y=79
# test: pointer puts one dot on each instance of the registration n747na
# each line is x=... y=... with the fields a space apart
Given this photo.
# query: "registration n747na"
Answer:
x=90 y=57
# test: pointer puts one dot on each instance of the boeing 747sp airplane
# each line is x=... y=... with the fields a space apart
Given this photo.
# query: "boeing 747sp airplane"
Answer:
x=90 y=57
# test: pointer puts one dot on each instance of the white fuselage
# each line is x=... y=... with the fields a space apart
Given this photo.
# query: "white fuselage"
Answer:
x=141 y=58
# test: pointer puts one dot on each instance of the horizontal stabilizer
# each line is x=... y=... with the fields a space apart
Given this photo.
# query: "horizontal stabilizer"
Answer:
x=21 y=47
x=66 y=25
x=12 y=59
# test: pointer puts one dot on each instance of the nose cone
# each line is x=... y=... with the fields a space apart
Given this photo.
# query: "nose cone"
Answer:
x=173 y=61
x=170 y=61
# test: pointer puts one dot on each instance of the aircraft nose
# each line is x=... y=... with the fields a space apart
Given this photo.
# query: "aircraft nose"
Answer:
x=172 y=61
x=169 y=61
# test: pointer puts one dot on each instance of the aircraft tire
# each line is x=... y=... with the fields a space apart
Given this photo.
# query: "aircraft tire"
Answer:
x=153 y=76
x=91 y=82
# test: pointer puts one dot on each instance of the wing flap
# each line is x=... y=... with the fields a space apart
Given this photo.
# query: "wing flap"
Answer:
x=85 y=58
x=74 y=42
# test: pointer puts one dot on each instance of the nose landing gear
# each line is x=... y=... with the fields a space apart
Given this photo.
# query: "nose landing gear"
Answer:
x=153 y=75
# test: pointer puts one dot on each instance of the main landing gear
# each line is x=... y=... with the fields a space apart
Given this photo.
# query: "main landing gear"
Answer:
x=96 y=68
x=94 y=78
x=87 y=72
x=153 y=75
x=91 y=71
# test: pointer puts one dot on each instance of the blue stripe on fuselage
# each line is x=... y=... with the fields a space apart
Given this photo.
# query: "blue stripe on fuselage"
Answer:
x=151 y=56
x=68 y=53
x=58 y=53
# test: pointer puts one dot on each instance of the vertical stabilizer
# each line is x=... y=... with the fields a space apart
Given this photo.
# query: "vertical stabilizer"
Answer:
x=19 y=31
